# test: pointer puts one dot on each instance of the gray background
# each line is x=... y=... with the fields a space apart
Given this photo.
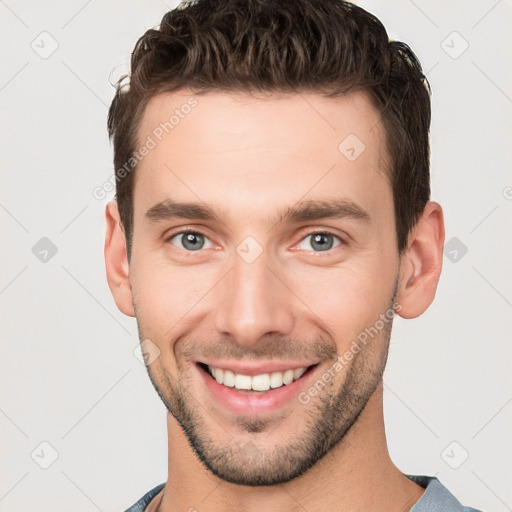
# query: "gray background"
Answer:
x=69 y=376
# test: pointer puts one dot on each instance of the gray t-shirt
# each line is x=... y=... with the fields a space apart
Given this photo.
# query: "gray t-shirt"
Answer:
x=436 y=498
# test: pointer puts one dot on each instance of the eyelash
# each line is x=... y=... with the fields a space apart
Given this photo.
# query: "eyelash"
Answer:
x=328 y=233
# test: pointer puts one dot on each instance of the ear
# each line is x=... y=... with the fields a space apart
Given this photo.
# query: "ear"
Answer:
x=116 y=260
x=421 y=263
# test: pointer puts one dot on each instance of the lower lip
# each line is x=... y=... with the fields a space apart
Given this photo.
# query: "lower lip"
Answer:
x=256 y=403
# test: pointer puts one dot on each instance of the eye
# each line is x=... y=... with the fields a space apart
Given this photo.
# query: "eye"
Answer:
x=321 y=241
x=191 y=240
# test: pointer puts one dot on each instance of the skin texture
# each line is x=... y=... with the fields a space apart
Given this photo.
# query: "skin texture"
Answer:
x=247 y=158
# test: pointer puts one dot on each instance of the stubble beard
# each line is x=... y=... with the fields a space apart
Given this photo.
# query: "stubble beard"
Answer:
x=244 y=459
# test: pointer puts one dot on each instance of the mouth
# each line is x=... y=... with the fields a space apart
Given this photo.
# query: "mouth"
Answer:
x=244 y=394
x=254 y=384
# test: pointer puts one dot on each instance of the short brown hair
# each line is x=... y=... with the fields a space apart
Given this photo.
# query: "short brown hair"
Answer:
x=327 y=46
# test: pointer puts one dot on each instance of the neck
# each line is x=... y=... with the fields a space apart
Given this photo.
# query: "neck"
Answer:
x=356 y=475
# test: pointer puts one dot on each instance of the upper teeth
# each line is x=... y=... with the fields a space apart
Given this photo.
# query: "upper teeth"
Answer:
x=262 y=382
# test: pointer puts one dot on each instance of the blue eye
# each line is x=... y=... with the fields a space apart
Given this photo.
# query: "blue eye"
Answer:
x=321 y=241
x=191 y=240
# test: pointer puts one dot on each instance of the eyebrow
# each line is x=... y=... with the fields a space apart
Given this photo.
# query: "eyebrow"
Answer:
x=302 y=211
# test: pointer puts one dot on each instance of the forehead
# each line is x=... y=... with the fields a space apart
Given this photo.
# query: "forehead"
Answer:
x=240 y=149
x=290 y=117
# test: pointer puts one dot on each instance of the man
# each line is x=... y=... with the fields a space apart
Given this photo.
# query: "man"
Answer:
x=272 y=173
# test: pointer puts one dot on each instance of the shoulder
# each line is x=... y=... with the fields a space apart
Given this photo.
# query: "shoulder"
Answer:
x=141 y=505
x=436 y=497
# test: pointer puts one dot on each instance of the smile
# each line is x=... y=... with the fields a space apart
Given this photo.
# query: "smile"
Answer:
x=261 y=382
x=245 y=390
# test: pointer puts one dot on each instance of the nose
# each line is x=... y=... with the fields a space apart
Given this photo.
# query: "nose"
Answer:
x=254 y=302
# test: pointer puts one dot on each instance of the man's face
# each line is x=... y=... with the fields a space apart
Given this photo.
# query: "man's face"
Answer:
x=254 y=291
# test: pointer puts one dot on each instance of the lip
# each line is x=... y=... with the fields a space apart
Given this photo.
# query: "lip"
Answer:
x=258 y=368
x=255 y=403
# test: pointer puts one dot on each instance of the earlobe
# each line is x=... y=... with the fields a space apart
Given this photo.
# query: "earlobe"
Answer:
x=116 y=260
x=421 y=264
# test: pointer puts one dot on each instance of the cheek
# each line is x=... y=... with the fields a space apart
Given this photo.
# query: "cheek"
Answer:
x=166 y=296
x=346 y=301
